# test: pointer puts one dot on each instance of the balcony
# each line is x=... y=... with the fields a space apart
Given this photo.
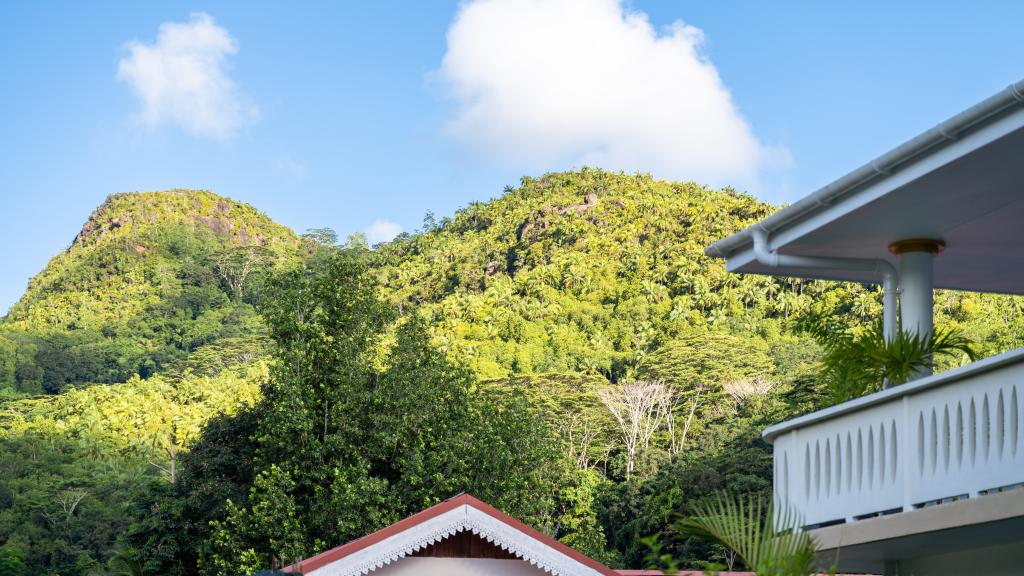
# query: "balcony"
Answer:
x=947 y=437
x=946 y=440
x=917 y=479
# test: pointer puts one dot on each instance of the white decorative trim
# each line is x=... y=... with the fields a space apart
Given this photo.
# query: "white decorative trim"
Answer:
x=457 y=520
x=522 y=545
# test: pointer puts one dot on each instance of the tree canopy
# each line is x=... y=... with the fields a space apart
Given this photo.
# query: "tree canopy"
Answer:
x=191 y=388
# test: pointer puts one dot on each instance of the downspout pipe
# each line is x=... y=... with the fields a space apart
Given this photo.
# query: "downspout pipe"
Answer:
x=890 y=278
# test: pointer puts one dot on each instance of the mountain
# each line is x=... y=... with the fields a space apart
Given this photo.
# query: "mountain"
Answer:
x=128 y=345
x=593 y=271
x=585 y=271
x=150 y=278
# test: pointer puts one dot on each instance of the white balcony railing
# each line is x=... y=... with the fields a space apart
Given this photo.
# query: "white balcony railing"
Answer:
x=949 y=436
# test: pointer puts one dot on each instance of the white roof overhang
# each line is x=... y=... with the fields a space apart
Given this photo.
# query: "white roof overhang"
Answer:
x=460 y=519
x=463 y=513
x=961 y=182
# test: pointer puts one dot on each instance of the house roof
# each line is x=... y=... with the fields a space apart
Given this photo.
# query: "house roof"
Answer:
x=683 y=573
x=457 y=514
x=697 y=573
x=460 y=513
x=961 y=182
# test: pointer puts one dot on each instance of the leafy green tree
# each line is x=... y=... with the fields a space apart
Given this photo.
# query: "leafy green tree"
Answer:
x=707 y=357
x=124 y=562
x=173 y=522
x=363 y=425
x=8 y=362
x=132 y=352
x=272 y=523
x=11 y=563
x=322 y=236
x=578 y=523
x=729 y=455
x=67 y=509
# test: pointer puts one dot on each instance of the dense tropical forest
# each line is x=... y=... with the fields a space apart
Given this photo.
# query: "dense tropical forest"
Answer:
x=191 y=388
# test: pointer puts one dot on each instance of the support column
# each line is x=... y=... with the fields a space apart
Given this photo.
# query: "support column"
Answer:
x=916 y=297
x=917 y=285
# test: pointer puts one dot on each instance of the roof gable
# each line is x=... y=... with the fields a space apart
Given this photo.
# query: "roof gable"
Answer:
x=459 y=514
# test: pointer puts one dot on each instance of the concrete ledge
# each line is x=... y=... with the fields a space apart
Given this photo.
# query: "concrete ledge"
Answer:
x=944 y=530
x=979 y=510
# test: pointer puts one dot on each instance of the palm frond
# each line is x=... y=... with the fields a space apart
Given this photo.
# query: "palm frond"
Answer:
x=769 y=542
x=855 y=364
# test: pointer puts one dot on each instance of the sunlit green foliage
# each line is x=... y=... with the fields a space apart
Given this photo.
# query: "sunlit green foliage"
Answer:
x=150 y=278
x=545 y=280
x=359 y=429
x=140 y=301
x=727 y=454
x=73 y=466
x=473 y=347
x=858 y=362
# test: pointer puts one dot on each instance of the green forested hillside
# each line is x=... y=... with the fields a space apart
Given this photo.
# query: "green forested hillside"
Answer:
x=592 y=271
x=579 y=271
x=116 y=356
x=150 y=278
x=157 y=393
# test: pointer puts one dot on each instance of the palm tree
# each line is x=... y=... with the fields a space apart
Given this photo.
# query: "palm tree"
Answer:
x=746 y=526
x=857 y=364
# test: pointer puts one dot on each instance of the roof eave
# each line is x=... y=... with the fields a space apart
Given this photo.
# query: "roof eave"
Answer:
x=880 y=168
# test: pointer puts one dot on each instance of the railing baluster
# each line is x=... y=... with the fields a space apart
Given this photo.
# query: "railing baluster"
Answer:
x=959 y=435
x=881 y=455
x=973 y=427
x=839 y=465
x=871 y=457
x=945 y=438
x=1000 y=425
x=986 y=431
x=860 y=460
x=916 y=449
x=893 y=452
x=849 y=462
x=908 y=459
x=807 y=472
x=920 y=444
x=817 y=470
x=1014 y=420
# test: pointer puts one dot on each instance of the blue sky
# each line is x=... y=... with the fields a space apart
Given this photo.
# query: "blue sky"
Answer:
x=324 y=114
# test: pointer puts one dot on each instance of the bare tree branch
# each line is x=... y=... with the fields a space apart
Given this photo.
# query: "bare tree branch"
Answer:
x=677 y=443
x=580 y=435
x=746 y=388
x=640 y=408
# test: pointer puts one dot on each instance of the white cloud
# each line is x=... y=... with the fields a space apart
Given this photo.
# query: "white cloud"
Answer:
x=382 y=231
x=181 y=78
x=541 y=84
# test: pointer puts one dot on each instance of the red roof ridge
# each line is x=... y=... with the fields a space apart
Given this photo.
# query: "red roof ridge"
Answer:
x=461 y=499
